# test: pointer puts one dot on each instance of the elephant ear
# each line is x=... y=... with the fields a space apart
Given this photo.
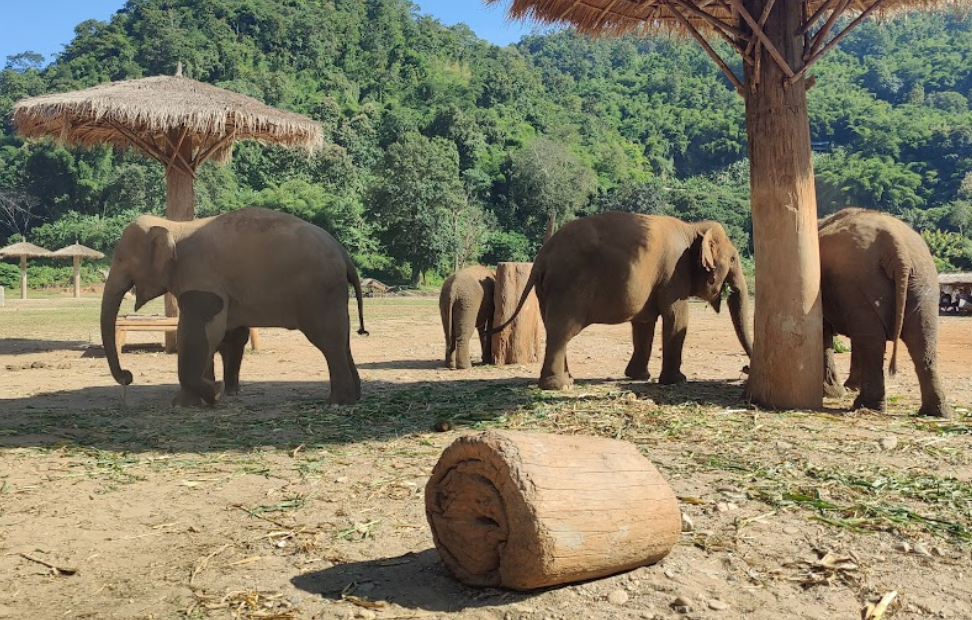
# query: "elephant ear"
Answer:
x=163 y=252
x=708 y=250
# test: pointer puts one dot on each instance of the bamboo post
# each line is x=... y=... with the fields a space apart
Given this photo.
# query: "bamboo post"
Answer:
x=528 y=510
x=520 y=342
x=23 y=277
x=77 y=276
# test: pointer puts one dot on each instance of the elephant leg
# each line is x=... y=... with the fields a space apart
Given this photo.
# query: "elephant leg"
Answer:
x=231 y=350
x=854 y=376
x=486 y=344
x=329 y=331
x=554 y=374
x=832 y=387
x=923 y=349
x=870 y=368
x=450 y=351
x=674 y=329
x=463 y=326
x=202 y=326
x=642 y=335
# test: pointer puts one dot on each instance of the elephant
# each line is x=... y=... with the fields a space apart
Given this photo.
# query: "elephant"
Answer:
x=878 y=282
x=248 y=268
x=618 y=267
x=466 y=306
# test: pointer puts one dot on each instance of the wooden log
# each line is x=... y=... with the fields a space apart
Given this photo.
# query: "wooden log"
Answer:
x=529 y=510
x=520 y=342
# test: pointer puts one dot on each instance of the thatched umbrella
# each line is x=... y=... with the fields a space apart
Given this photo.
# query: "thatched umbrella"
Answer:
x=778 y=42
x=23 y=250
x=77 y=252
x=180 y=122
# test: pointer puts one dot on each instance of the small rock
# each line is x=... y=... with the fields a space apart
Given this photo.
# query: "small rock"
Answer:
x=717 y=605
x=630 y=397
x=722 y=507
x=938 y=551
x=682 y=605
x=920 y=549
x=731 y=506
x=903 y=547
x=366 y=614
x=791 y=530
x=687 y=524
x=39 y=365
x=669 y=573
x=294 y=599
x=888 y=443
x=784 y=445
x=617 y=597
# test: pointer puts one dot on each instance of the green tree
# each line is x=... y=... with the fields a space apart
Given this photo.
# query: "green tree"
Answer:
x=417 y=191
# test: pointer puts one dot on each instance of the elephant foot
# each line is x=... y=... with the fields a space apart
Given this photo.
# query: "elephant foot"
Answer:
x=852 y=384
x=556 y=382
x=671 y=378
x=341 y=398
x=463 y=365
x=187 y=399
x=874 y=404
x=637 y=373
x=833 y=390
x=940 y=410
x=231 y=390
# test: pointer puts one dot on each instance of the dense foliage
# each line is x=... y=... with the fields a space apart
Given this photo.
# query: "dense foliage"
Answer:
x=443 y=148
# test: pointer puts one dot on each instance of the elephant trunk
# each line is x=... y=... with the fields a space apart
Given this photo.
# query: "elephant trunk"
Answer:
x=115 y=288
x=739 y=307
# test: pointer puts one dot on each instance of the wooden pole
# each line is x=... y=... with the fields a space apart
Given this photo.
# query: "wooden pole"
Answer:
x=23 y=277
x=77 y=276
x=520 y=342
x=180 y=206
x=787 y=365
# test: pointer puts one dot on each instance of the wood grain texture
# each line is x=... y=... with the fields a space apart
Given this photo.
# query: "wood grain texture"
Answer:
x=520 y=342
x=529 y=510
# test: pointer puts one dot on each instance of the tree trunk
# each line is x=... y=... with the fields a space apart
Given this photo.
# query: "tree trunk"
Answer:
x=23 y=277
x=77 y=276
x=529 y=510
x=520 y=342
x=180 y=206
x=787 y=366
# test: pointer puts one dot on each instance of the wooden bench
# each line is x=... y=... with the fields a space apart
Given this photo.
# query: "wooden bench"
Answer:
x=158 y=323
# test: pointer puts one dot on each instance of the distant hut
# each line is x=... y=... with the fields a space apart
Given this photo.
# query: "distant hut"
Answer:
x=77 y=252
x=178 y=121
x=955 y=292
x=23 y=250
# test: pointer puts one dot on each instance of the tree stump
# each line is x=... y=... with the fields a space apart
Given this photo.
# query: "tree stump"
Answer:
x=529 y=510
x=520 y=342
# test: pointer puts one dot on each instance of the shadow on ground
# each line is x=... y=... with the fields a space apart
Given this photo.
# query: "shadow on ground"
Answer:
x=282 y=414
x=414 y=581
x=23 y=346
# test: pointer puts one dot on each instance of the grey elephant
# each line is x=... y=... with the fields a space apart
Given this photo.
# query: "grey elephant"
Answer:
x=626 y=267
x=466 y=307
x=878 y=282
x=247 y=268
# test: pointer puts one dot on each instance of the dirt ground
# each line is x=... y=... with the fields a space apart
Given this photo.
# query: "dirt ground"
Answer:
x=276 y=506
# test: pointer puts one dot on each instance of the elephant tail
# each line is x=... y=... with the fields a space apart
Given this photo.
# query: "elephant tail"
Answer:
x=898 y=269
x=356 y=283
x=531 y=282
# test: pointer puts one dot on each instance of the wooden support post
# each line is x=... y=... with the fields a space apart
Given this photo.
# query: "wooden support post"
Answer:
x=529 y=510
x=23 y=277
x=520 y=342
x=77 y=276
x=180 y=206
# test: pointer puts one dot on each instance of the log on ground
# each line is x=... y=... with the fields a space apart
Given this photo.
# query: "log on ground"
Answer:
x=528 y=510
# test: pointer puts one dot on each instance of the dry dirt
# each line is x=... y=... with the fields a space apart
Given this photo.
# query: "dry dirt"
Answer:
x=275 y=505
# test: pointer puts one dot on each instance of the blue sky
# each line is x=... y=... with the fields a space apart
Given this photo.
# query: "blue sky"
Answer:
x=45 y=26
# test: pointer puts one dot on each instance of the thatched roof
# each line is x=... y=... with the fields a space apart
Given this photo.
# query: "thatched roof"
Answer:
x=623 y=16
x=24 y=249
x=77 y=250
x=142 y=112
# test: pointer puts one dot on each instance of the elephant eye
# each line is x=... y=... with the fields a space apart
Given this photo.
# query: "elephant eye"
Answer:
x=732 y=260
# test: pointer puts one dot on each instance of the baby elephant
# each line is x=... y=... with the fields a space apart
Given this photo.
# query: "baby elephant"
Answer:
x=466 y=305
x=878 y=282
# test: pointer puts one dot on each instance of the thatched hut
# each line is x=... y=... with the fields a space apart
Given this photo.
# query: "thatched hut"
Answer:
x=178 y=121
x=77 y=252
x=778 y=43
x=23 y=251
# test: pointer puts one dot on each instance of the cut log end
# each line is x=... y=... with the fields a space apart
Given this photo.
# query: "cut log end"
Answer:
x=529 y=510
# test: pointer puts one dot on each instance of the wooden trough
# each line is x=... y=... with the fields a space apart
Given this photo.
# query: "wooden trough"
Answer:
x=158 y=323
x=528 y=510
